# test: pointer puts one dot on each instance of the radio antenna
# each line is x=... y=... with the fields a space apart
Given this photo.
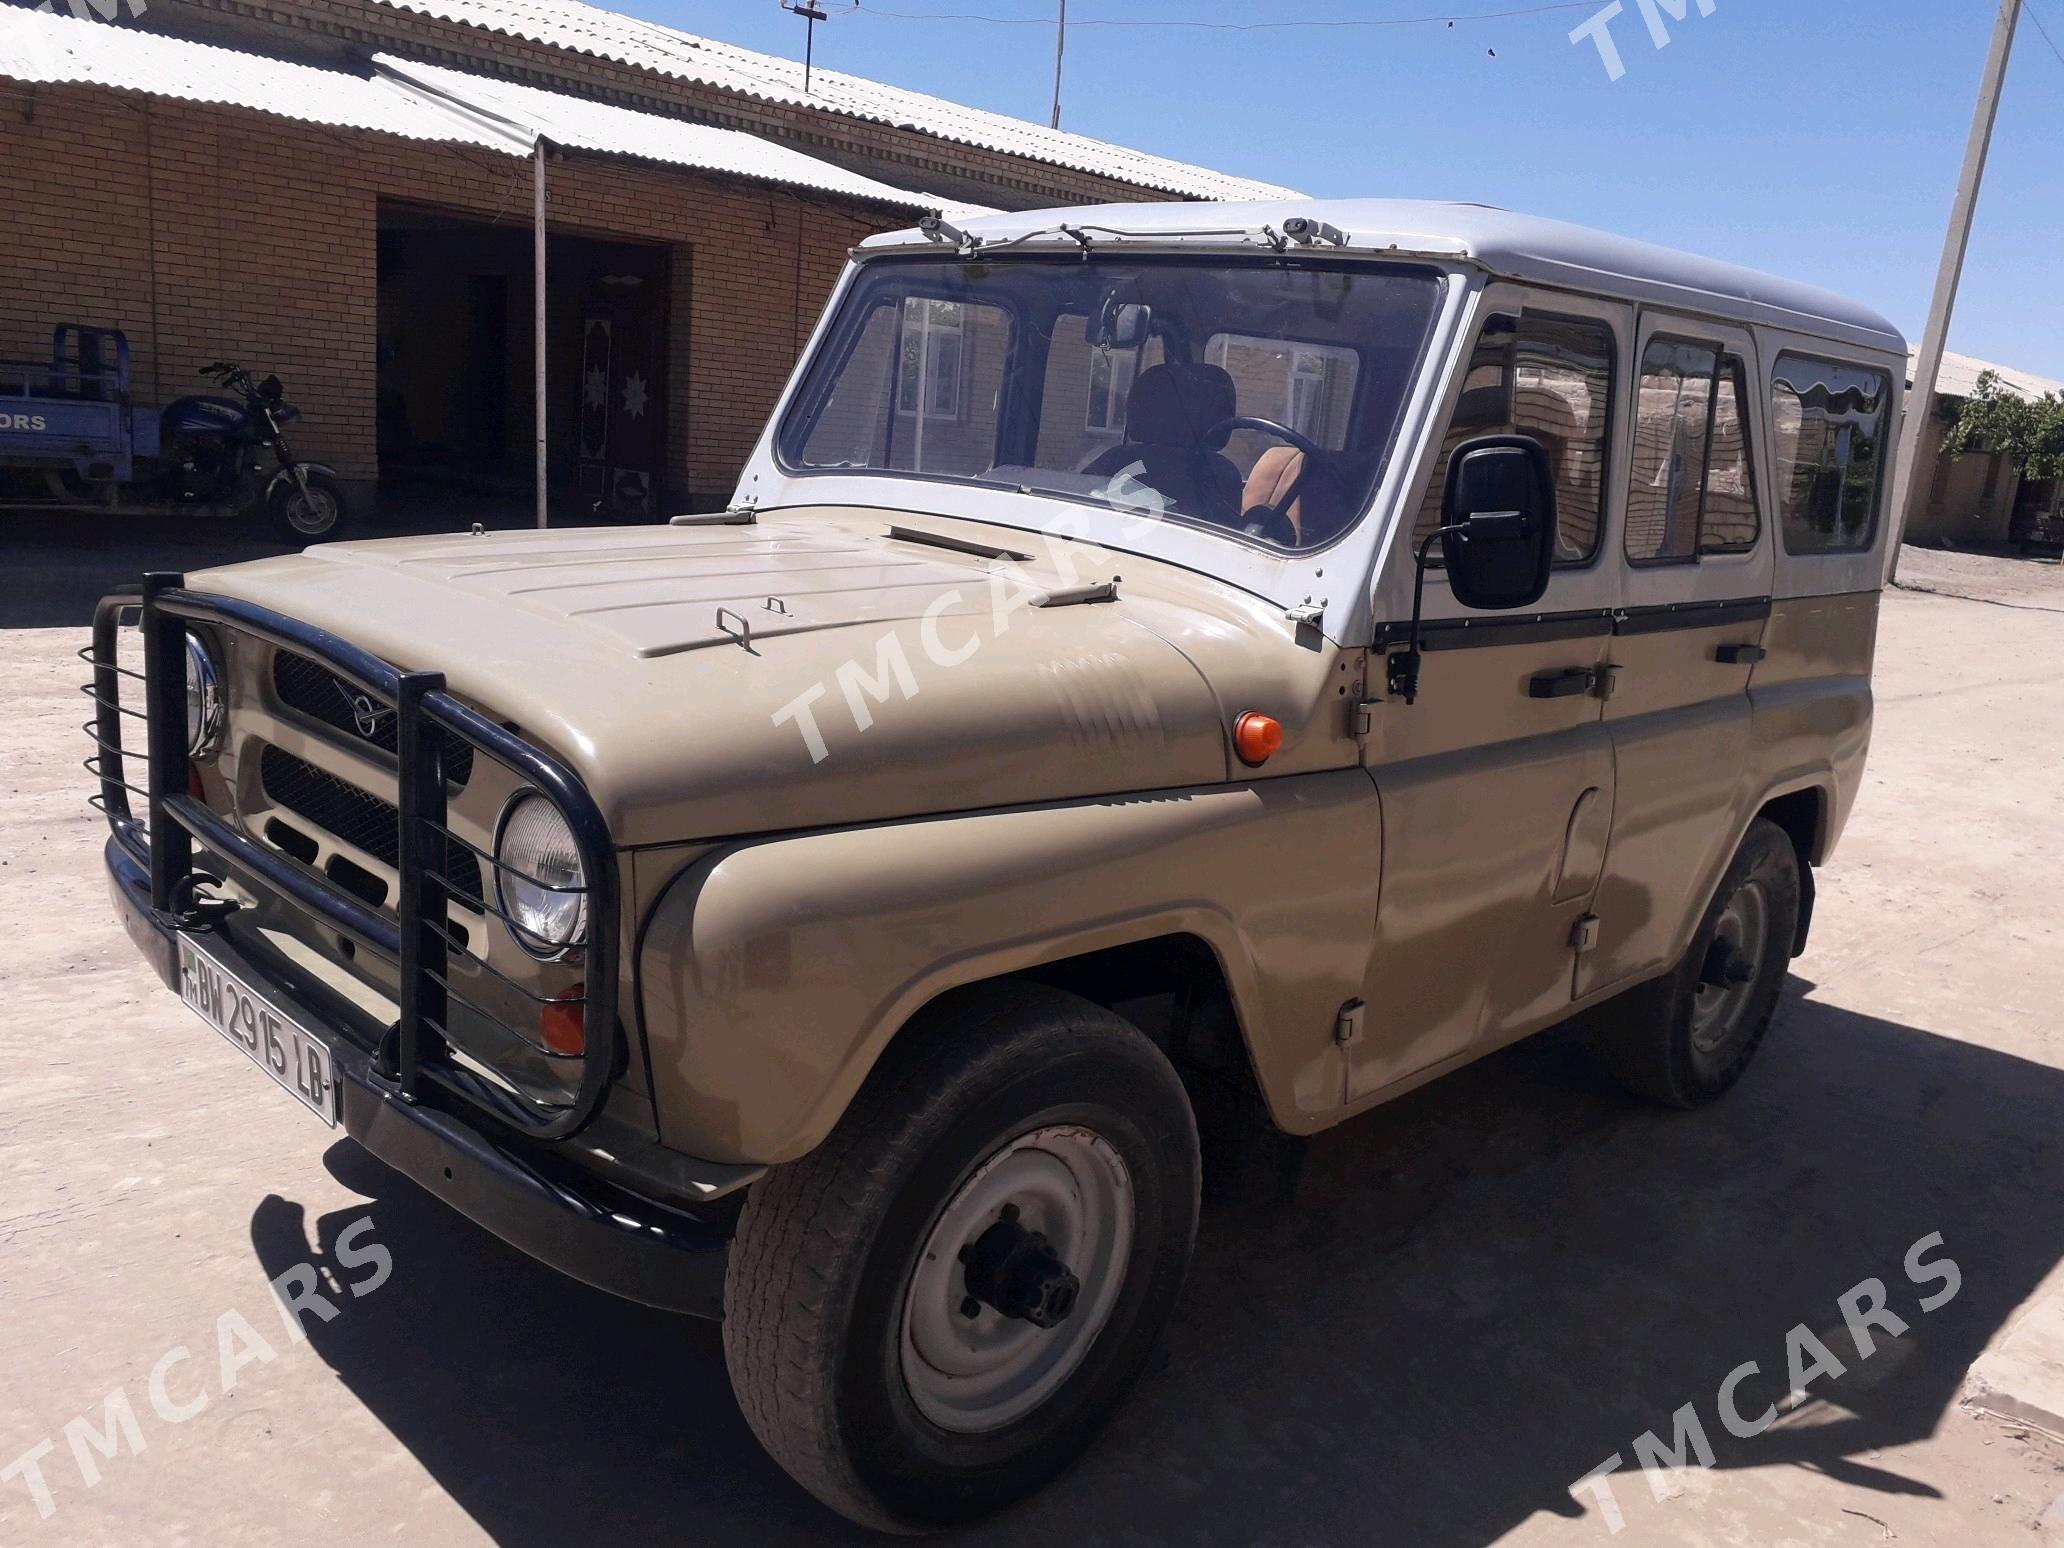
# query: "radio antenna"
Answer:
x=811 y=14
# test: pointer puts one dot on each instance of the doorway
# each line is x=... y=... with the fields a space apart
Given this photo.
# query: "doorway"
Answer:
x=455 y=363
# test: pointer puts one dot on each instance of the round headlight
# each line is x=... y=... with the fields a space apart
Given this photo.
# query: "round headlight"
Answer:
x=539 y=880
x=203 y=701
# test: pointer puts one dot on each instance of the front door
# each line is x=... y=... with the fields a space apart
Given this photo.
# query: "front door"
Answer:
x=1699 y=556
x=1496 y=787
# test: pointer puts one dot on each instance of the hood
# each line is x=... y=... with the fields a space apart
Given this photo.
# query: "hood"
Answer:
x=814 y=668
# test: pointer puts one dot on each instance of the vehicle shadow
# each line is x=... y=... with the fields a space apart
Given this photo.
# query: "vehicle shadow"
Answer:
x=1434 y=1322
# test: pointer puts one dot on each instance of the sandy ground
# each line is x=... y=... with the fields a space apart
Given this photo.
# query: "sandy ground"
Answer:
x=1424 y=1335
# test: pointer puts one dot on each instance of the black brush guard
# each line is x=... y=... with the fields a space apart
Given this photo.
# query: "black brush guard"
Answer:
x=413 y=1055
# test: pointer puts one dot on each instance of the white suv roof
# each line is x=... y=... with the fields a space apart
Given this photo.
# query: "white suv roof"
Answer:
x=1521 y=247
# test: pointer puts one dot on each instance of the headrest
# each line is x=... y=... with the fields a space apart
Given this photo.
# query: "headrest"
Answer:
x=1174 y=405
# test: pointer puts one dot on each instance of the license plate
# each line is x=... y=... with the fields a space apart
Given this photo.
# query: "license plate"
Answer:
x=287 y=1051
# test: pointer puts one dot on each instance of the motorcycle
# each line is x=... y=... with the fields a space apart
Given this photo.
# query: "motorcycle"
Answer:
x=213 y=443
x=73 y=423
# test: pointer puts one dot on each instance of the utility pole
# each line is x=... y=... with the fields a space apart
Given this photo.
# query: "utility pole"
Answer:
x=537 y=324
x=1060 y=53
x=1920 y=403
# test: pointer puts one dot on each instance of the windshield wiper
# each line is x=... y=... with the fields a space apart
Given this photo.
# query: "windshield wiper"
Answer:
x=957 y=545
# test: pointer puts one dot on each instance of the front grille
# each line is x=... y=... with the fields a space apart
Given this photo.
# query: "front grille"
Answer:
x=320 y=694
x=361 y=820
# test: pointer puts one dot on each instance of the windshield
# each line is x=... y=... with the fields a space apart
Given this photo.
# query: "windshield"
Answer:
x=1258 y=399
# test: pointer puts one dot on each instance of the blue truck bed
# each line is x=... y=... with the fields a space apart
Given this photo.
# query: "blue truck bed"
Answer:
x=73 y=410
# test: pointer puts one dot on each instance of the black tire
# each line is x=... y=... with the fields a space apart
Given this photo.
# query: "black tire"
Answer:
x=827 y=1248
x=320 y=517
x=1649 y=1039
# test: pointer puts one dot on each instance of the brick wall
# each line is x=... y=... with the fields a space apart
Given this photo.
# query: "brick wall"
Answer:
x=210 y=233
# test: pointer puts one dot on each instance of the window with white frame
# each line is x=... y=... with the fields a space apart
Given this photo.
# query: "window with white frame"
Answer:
x=933 y=355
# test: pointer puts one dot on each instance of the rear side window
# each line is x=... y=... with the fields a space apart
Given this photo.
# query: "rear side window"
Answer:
x=1829 y=421
x=1692 y=491
x=1550 y=378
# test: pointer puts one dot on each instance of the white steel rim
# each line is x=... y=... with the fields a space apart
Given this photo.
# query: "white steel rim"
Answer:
x=975 y=1374
x=1717 y=1010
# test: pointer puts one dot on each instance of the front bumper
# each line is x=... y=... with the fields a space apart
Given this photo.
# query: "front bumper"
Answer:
x=585 y=1227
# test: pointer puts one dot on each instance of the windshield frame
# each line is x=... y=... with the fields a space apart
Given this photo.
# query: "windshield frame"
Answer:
x=837 y=328
x=1333 y=581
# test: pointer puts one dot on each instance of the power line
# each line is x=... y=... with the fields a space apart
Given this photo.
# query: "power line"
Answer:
x=1449 y=18
x=2029 y=9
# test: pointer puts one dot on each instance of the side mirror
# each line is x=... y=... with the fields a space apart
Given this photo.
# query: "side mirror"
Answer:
x=1497 y=536
x=1498 y=522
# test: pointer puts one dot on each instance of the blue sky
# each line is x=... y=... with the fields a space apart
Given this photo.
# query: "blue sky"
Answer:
x=1818 y=139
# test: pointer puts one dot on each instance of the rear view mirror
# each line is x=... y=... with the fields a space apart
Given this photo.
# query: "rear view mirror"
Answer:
x=1121 y=324
x=1498 y=522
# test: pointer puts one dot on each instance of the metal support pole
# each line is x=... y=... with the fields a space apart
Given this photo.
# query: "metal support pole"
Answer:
x=1920 y=403
x=537 y=238
x=1060 y=52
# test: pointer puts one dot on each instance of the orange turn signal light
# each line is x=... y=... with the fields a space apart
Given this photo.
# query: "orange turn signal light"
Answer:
x=1256 y=737
x=563 y=1023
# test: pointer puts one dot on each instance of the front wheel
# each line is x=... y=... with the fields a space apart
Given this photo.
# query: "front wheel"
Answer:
x=309 y=516
x=930 y=1315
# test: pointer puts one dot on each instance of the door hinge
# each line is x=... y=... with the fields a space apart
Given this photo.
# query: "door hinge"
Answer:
x=1347 y=1026
x=1584 y=933
x=1363 y=715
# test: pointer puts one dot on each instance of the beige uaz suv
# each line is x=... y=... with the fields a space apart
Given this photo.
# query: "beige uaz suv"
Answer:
x=1300 y=646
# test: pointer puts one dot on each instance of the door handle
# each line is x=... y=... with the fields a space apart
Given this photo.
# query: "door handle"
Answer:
x=1569 y=683
x=1739 y=655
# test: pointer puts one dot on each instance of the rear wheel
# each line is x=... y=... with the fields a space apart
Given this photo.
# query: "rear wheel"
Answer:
x=1686 y=1037
x=930 y=1315
x=310 y=515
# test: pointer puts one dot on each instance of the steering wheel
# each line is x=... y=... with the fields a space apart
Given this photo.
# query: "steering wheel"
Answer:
x=1272 y=523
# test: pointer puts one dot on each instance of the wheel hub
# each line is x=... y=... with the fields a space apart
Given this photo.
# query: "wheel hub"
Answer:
x=1733 y=960
x=1017 y=1277
x=1017 y=1272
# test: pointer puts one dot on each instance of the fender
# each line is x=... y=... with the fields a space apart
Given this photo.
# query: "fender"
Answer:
x=774 y=972
x=286 y=475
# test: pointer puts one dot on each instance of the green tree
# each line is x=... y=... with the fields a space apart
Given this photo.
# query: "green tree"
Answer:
x=2028 y=432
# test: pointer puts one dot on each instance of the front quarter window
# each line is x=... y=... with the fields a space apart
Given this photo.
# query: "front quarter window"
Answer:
x=1254 y=398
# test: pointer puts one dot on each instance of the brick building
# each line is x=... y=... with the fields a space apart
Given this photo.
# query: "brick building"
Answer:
x=340 y=191
x=1980 y=499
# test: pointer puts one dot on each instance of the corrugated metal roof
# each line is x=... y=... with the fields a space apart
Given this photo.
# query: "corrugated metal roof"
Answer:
x=402 y=98
x=683 y=56
x=1960 y=375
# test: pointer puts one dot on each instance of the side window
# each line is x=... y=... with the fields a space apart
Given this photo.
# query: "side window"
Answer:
x=1829 y=424
x=1732 y=522
x=1550 y=378
x=1692 y=491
